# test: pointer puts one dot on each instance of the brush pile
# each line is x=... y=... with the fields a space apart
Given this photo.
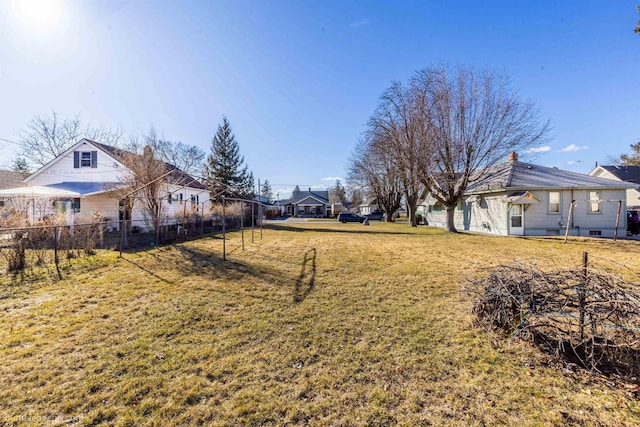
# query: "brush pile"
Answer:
x=587 y=317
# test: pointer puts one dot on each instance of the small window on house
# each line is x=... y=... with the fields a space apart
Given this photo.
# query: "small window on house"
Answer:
x=170 y=198
x=594 y=202
x=595 y=232
x=85 y=159
x=554 y=202
x=76 y=205
x=180 y=197
x=1 y=203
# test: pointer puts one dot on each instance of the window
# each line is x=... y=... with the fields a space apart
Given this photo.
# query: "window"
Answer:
x=516 y=216
x=76 y=205
x=595 y=232
x=85 y=159
x=594 y=202
x=554 y=202
x=170 y=198
x=1 y=203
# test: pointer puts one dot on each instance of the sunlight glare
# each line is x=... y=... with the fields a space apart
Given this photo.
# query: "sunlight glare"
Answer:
x=38 y=15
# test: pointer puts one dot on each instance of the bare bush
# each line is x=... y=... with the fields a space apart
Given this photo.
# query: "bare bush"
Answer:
x=587 y=317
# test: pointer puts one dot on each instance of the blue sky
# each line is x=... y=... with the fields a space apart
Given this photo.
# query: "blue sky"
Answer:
x=299 y=79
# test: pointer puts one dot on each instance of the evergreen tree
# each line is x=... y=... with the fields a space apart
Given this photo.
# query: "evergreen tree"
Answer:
x=20 y=164
x=337 y=194
x=266 y=190
x=224 y=173
x=295 y=192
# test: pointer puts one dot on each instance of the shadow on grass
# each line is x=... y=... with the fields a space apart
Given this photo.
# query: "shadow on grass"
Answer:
x=363 y=230
x=146 y=270
x=204 y=262
x=307 y=277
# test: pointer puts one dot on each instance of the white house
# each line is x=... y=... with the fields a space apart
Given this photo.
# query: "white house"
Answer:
x=630 y=174
x=85 y=180
x=519 y=198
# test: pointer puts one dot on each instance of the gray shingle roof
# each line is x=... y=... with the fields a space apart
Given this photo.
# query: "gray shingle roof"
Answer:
x=624 y=173
x=321 y=195
x=12 y=179
x=178 y=177
x=526 y=176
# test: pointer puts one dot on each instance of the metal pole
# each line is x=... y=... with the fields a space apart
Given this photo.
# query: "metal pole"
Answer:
x=202 y=220
x=123 y=225
x=56 y=237
x=566 y=233
x=224 y=230
x=242 y=222
x=252 y=221
x=260 y=209
x=615 y=234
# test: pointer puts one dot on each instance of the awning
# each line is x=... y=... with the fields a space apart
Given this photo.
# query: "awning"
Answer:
x=38 y=191
x=523 y=198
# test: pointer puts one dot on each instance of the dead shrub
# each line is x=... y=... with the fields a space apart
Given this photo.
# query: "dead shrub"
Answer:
x=587 y=317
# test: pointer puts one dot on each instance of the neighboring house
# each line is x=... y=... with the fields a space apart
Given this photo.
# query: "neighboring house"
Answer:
x=87 y=180
x=269 y=209
x=521 y=199
x=623 y=173
x=10 y=179
x=308 y=204
x=369 y=205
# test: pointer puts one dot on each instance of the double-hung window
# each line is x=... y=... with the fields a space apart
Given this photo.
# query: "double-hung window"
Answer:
x=594 y=202
x=554 y=202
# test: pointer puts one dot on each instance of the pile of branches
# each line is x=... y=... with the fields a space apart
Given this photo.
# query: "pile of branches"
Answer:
x=587 y=317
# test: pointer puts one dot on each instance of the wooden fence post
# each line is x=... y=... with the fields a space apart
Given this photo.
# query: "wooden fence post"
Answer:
x=615 y=234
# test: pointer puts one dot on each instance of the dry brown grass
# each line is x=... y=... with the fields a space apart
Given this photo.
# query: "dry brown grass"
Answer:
x=315 y=324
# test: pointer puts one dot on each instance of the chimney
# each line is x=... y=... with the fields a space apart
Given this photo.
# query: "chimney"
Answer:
x=513 y=157
x=309 y=189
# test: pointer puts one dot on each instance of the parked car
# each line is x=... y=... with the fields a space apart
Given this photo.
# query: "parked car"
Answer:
x=375 y=216
x=633 y=223
x=344 y=217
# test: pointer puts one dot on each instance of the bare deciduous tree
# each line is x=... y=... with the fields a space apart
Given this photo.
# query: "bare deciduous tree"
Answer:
x=369 y=167
x=395 y=127
x=471 y=121
x=45 y=138
x=187 y=158
x=148 y=174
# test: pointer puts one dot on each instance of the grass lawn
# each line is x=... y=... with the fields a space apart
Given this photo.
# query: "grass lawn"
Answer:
x=315 y=324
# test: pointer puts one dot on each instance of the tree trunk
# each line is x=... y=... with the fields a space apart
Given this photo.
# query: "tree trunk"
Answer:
x=411 y=210
x=450 y=219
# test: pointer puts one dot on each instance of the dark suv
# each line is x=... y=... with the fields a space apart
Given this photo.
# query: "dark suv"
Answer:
x=344 y=217
x=375 y=216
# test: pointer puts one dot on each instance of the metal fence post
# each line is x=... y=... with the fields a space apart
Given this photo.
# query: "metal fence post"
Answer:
x=224 y=230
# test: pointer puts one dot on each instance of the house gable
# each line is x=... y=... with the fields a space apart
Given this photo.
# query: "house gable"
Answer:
x=311 y=201
x=85 y=161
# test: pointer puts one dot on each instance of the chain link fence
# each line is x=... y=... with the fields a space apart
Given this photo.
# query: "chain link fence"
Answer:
x=49 y=246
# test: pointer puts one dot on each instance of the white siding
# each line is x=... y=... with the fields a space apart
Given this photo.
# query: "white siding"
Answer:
x=61 y=170
x=489 y=214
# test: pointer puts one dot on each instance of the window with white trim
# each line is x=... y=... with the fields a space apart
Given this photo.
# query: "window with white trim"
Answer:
x=594 y=202
x=85 y=159
x=554 y=202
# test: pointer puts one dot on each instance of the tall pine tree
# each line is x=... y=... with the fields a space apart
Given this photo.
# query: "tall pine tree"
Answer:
x=267 y=192
x=225 y=173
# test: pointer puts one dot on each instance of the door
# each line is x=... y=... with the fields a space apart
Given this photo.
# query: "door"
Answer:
x=516 y=220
